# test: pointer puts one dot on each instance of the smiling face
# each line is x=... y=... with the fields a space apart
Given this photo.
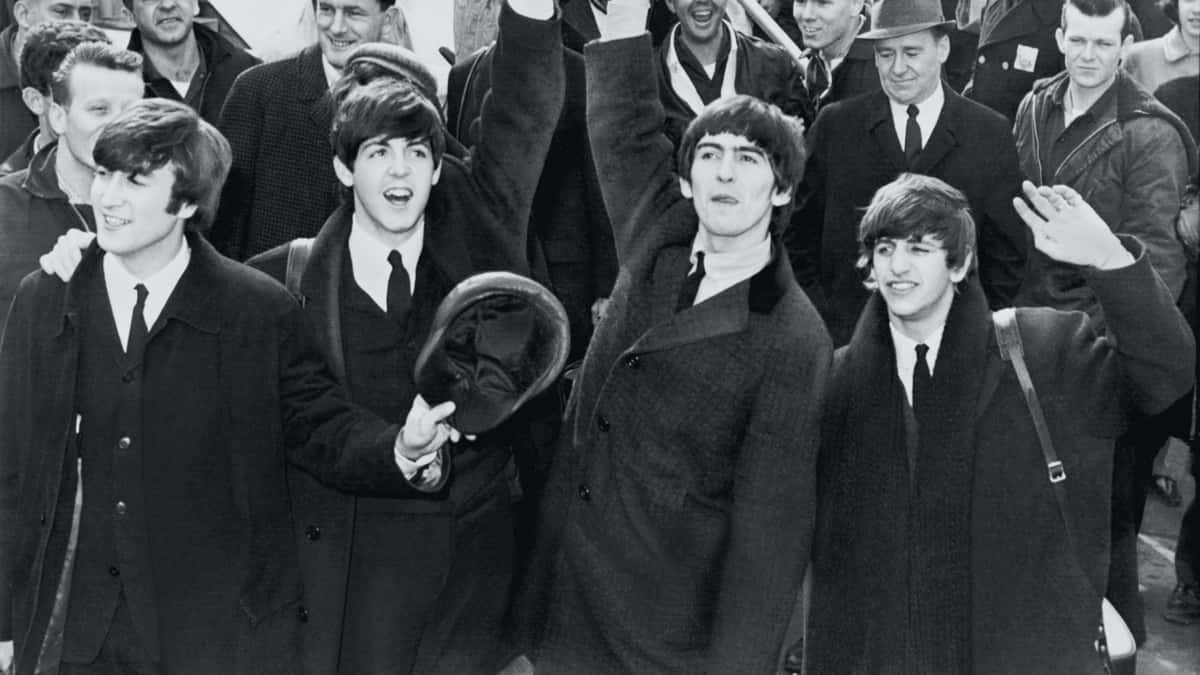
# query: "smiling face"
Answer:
x=732 y=186
x=164 y=22
x=699 y=20
x=1092 y=46
x=1189 y=19
x=916 y=282
x=391 y=179
x=342 y=25
x=910 y=66
x=133 y=222
x=97 y=95
x=824 y=23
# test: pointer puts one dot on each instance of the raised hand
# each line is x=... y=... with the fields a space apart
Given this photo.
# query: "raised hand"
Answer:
x=1068 y=229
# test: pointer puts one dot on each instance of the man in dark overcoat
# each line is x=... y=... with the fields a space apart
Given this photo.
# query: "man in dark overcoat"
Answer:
x=916 y=123
x=145 y=409
x=940 y=545
x=677 y=518
x=421 y=583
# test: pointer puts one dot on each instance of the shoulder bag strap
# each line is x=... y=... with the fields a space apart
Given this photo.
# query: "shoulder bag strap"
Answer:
x=297 y=261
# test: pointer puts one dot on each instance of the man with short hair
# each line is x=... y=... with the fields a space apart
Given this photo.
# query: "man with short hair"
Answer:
x=915 y=124
x=92 y=85
x=940 y=544
x=178 y=379
x=45 y=48
x=16 y=121
x=1092 y=127
x=420 y=220
x=838 y=65
x=184 y=60
x=678 y=514
x=277 y=119
x=704 y=58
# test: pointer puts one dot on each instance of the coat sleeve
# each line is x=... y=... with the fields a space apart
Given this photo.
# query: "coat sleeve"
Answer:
x=1155 y=177
x=517 y=121
x=241 y=123
x=634 y=159
x=774 y=504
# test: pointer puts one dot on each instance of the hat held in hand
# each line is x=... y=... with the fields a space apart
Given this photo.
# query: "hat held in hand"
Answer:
x=893 y=18
x=498 y=339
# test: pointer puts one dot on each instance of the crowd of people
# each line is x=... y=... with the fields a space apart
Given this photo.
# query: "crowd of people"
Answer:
x=789 y=285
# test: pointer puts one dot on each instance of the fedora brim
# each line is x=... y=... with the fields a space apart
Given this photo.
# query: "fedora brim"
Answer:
x=898 y=31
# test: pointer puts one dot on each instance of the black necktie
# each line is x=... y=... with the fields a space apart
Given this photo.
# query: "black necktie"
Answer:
x=816 y=77
x=601 y=5
x=687 y=294
x=922 y=389
x=137 y=324
x=912 y=136
x=399 y=294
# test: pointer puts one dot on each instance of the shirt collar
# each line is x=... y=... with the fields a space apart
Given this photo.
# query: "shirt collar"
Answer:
x=369 y=259
x=120 y=283
x=928 y=110
x=332 y=75
x=906 y=348
x=1174 y=48
x=732 y=266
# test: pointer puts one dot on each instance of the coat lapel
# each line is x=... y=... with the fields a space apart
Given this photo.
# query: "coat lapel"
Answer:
x=322 y=286
x=883 y=132
x=313 y=90
x=944 y=136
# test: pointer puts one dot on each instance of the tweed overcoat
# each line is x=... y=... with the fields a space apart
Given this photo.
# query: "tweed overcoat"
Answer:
x=275 y=392
x=854 y=150
x=476 y=221
x=680 y=506
x=281 y=185
x=1032 y=604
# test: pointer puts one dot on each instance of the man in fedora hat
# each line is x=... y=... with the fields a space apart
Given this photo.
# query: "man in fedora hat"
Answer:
x=915 y=124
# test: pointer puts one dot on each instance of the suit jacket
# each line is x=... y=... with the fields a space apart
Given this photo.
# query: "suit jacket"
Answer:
x=281 y=185
x=476 y=220
x=680 y=504
x=853 y=151
x=1030 y=603
x=1016 y=48
x=276 y=392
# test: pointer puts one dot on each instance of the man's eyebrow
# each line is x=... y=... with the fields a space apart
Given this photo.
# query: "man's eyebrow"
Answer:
x=737 y=148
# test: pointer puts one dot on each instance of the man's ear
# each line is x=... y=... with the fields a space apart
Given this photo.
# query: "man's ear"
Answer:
x=780 y=197
x=34 y=100
x=959 y=273
x=1125 y=45
x=943 y=48
x=395 y=28
x=57 y=116
x=186 y=210
x=437 y=173
x=20 y=12
x=344 y=174
x=685 y=186
x=1060 y=39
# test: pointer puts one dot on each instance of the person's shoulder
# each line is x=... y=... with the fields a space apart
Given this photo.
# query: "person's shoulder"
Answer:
x=272 y=262
x=13 y=192
x=274 y=75
x=996 y=124
x=767 y=51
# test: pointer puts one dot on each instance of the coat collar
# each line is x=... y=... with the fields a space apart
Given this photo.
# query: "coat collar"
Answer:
x=42 y=179
x=1025 y=18
x=195 y=300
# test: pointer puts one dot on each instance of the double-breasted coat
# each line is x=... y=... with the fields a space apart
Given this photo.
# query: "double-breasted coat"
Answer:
x=679 y=508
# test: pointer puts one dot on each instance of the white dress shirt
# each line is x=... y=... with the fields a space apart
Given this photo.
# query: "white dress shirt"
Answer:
x=928 y=112
x=369 y=260
x=725 y=270
x=332 y=74
x=906 y=355
x=122 y=297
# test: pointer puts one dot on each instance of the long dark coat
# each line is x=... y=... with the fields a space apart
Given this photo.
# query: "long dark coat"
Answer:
x=854 y=151
x=274 y=389
x=992 y=563
x=1006 y=31
x=281 y=185
x=678 y=517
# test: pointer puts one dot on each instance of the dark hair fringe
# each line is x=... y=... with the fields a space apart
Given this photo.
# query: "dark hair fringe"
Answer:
x=385 y=108
x=913 y=206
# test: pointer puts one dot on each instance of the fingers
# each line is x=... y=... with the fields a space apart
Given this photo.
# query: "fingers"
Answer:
x=1039 y=198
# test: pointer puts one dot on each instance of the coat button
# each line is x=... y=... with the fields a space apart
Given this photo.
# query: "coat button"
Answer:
x=124 y=443
x=585 y=492
x=127 y=377
x=312 y=533
x=1004 y=65
x=982 y=59
x=633 y=361
x=114 y=572
x=602 y=423
x=42 y=519
x=302 y=613
x=121 y=508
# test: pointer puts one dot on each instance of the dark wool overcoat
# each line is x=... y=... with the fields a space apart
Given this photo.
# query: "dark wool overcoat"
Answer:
x=1016 y=48
x=854 y=151
x=226 y=581
x=281 y=185
x=476 y=221
x=965 y=566
x=678 y=519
